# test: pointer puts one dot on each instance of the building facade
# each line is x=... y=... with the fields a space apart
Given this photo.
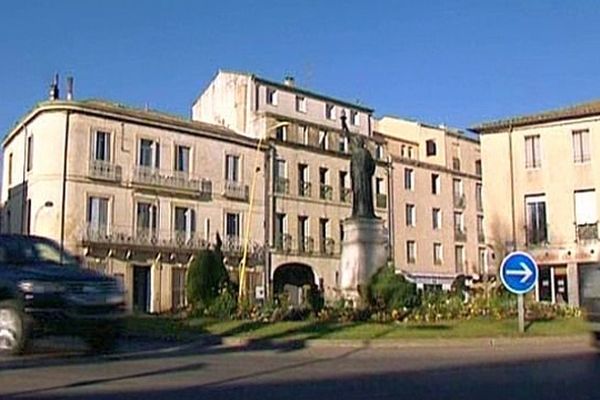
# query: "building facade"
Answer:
x=309 y=192
x=136 y=193
x=540 y=194
x=436 y=201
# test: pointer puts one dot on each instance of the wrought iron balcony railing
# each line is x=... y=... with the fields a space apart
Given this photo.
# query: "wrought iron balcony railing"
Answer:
x=345 y=195
x=304 y=189
x=177 y=180
x=325 y=192
x=460 y=234
x=327 y=246
x=236 y=190
x=283 y=243
x=306 y=245
x=587 y=231
x=105 y=171
x=282 y=185
x=459 y=200
x=381 y=200
x=481 y=237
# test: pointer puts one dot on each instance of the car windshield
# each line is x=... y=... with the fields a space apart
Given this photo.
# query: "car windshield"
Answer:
x=34 y=250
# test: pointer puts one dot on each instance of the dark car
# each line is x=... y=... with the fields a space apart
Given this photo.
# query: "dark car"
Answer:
x=44 y=290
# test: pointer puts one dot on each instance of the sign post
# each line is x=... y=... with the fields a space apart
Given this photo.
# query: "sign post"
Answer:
x=519 y=274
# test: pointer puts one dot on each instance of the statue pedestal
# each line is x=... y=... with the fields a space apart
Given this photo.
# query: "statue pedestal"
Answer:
x=364 y=251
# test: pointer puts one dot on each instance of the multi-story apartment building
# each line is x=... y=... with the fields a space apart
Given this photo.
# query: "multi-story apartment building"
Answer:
x=136 y=193
x=436 y=202
x=309 y=194
x=540 y=175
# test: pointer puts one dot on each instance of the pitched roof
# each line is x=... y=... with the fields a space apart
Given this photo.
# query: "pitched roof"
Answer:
x=571 y=112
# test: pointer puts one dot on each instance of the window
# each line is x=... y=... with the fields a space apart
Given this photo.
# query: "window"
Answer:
x=341 y=227
x=459 y=222
x=435 y=184
x=379 y=186
x=586 y=217
x=430 y=148
x=29 y=153
x=343 y=144
x=147 y=219
x=456 y=163
x=149 y=154
x=379 y=151
x=324 y=235
x=409 y=152
x=479 y=196
x=537 y=232
x=411 y=252
x=409 y=179
x=482 y=260
x=329 y=111
x=281 y=133
x=10 y=168
x=232 y=168
x=97 y=215
x=303 y=180
x=437 y=253
x=325 y=188
x=436 y=215
x=178 y=288
x=344 y=190
x=303 y=129
x=185 y=223
x=301 y=104
x=459 y=258
x=581 y=146
x=403 y=151
x=101 y=146
x=532 y=152
x=280 y=229
x=323 y=140
x=182 y=159
x=354 y=118
x=303 y=235
x=233 y=227
x=271 y=96
x=478 y=167
x=458 y=192
x=410 y=215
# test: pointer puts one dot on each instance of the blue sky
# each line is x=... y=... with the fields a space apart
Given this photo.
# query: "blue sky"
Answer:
x=452 y=62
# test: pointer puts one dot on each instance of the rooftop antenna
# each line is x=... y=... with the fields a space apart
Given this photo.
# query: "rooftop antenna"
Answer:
x=54 y=92
x=69 y=88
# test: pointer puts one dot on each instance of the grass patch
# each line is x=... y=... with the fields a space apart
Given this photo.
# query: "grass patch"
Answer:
x=170 y=328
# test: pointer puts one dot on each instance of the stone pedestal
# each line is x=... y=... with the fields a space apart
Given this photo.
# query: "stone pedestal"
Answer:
x=364 y=251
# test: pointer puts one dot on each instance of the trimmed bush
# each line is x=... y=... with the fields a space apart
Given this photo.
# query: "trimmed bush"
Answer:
x=207 y=275
x=388 y=291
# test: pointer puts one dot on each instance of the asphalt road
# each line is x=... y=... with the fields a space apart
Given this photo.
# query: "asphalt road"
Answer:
x=546 y=369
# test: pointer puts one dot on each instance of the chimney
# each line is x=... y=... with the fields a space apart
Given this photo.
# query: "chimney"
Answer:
x=289 y=80
x=69 y=88
x=54 y=93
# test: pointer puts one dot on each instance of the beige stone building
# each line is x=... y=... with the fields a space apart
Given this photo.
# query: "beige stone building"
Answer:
x=134 y=192
x=310 y=191
x=541 y=179
x=436 y=202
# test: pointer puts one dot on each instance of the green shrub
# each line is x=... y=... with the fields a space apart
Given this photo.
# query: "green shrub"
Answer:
x=388 y=291
x=206 y=276
x=224 y=305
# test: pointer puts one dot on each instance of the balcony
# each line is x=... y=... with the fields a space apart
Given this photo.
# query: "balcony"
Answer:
x=460 y=201
x=172 y=180
x=381 y=200
x=105 y=171
x=304 y=189
x=480 y=237
x=281 y=185
x=306 y=245
x=236 y=191
x=460 y=234
x=327 y=246
x=283 y=243
x=325 y=192
x=345 y=195
x=587 y=231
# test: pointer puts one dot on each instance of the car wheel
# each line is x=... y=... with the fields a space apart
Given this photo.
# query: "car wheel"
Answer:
x=13 y=332
x=103 y=339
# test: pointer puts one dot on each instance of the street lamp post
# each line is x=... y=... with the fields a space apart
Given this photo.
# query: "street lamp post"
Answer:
x=47 y=204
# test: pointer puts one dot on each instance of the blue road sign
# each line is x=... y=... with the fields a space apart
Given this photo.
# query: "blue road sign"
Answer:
x=519 y=272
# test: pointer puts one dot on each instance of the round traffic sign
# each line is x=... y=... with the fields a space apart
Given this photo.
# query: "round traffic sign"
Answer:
x=519 y=272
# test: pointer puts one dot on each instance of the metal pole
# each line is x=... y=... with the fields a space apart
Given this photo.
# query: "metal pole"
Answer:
x=521 y=308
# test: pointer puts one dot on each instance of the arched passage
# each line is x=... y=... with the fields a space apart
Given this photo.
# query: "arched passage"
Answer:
x=293 y=279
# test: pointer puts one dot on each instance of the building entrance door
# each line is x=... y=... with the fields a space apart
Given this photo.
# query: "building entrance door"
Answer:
x=141 y=289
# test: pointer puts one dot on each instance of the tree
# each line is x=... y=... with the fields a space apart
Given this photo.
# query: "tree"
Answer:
x=206 y=276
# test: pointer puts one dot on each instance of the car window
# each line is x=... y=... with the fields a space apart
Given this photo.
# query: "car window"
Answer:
x=31 y=250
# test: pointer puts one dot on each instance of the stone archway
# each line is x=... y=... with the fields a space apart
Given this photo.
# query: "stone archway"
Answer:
x=294 y=279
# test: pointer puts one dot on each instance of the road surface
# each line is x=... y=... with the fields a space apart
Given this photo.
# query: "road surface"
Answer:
x=545 y=369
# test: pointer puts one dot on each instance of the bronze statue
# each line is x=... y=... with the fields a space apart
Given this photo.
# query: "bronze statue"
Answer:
x=362 y=168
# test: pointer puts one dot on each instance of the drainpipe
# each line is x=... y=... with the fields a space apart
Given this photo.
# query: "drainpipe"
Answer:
x=269 y=200
x=64 y=183
x=391 y=235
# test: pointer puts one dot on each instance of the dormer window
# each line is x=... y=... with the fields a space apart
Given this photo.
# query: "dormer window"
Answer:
x=330 y=111
x=271 y=96
x=430 y=147
x=354 y=118
x=301 y=104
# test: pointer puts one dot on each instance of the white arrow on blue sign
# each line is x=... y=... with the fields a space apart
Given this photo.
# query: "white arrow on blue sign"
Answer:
x=519 y=272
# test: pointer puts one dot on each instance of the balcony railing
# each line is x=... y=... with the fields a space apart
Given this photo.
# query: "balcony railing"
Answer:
x=481 y=237
x=460 y=234
x=587 y=231
x=304 y=189
x=177 y=180
x=325 y=192
x=345 y=195
x=282 y=185
x=236 y=190
x=327 y=246
x=105 y=171
x=283 y=243
x=479 y=205
x=459 y=201
x=306 y=245
x=381 y=200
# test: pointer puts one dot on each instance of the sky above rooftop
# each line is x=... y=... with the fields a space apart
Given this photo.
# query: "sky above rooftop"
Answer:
x=452 y=62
